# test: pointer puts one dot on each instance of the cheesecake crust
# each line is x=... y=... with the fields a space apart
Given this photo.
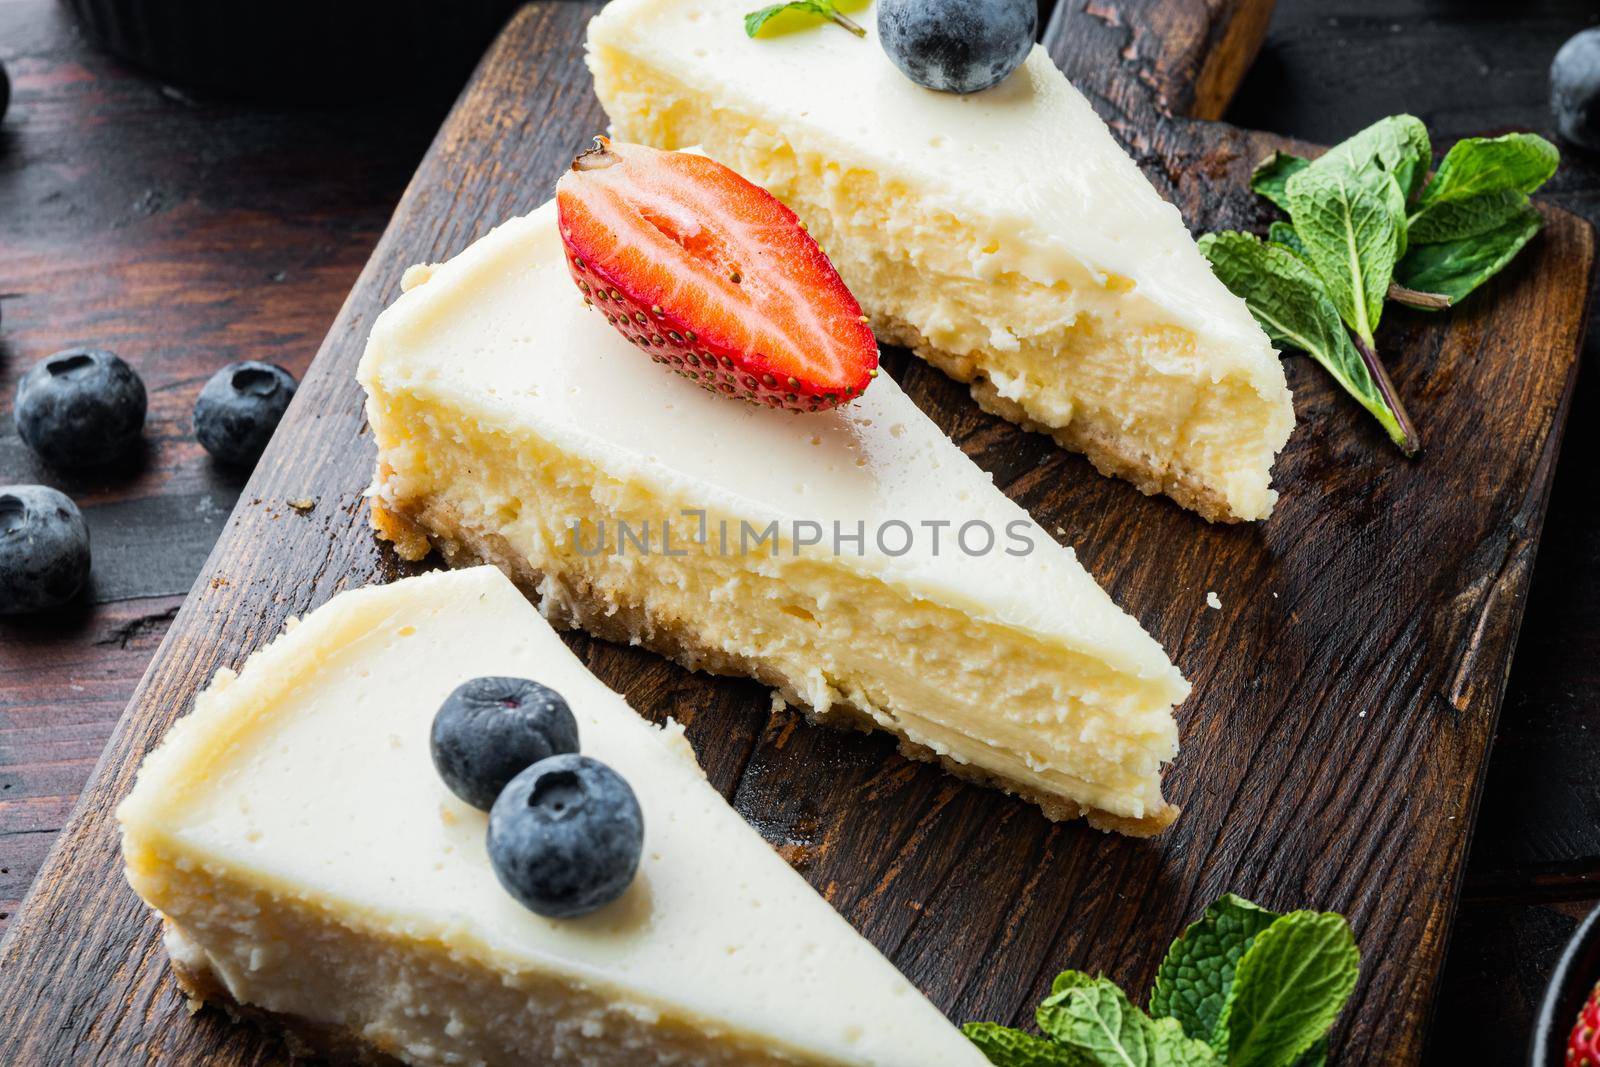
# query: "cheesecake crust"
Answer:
x=411 y=527
x=304 y=1039
x=1110 y=453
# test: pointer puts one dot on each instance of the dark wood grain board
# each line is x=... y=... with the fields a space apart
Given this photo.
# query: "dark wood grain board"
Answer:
x=1332 y=749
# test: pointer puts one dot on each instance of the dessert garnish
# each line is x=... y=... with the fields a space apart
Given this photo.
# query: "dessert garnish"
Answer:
x=713 y=277
x=565 y=831
x=1242 y=987
x=565 y=836
x=489 y=730
x=1575 y=89
x=80 y=408
x=238 y=409
x=1368 y=225
x=44 y=549
x=1583 y=1044
x=957 y=46
x=821 y=8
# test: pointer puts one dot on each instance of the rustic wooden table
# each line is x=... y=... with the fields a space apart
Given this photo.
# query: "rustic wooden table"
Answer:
x=186 y=231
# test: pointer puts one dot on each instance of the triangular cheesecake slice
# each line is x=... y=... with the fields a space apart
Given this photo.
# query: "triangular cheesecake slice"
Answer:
x=312 y=868
x=1004 y=236
x=855 y=560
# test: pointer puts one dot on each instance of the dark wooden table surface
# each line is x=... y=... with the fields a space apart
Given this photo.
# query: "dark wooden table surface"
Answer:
x=187 y=231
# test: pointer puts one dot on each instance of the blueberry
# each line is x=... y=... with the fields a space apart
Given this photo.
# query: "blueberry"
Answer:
x=565 y=836
x=957 y=46
x=5 y=91
x=44 y=549
x=80 y=408
x=492 y=729
x=1575 y=89
x=239 y=408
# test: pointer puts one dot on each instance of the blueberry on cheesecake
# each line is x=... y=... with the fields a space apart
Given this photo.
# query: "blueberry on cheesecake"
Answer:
x=565 y=836
x=491 y=729
x=564 y=830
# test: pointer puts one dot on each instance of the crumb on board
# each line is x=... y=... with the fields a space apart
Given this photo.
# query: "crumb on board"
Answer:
x=1213 y=601
x=303 y=504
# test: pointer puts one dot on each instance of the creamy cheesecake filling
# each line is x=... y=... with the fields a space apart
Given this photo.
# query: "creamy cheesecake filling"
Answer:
x=1004 y=237
x=1043 y=717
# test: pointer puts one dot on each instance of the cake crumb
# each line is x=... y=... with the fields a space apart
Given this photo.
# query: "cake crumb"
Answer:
x=1213 y=601
x=303 y=504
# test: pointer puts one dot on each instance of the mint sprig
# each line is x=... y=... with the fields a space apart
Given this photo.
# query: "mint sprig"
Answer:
x=1292 y=305
x=1242 y=987
x=1369 y=226
x=821 y=8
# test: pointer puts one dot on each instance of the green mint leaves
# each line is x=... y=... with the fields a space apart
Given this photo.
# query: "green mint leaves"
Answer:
x=1287 y=990
x=1367 y=225
x=1351 y=224
x=1195 y=978
x=1455 y=268
x=821 y=8
x=1242 y=987
x=1292 y=304
x=1094 y=1018
x=1481 y=185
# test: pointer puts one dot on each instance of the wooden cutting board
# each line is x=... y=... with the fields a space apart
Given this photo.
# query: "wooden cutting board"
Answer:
x=1345 y=693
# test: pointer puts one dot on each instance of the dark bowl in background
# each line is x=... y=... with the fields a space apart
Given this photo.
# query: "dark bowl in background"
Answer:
x=298 y=49
x=1575 y=975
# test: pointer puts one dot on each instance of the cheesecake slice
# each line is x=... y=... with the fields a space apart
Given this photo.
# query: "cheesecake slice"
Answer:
x=1004 y=237
x=312 y=869
x=854 y=560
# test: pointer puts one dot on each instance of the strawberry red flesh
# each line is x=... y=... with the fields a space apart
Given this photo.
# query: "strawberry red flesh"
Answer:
x=713 y=277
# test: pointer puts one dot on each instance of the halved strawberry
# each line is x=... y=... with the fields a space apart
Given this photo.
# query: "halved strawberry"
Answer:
x=713 y=277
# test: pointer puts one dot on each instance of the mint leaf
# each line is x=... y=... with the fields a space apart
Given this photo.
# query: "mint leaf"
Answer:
x=1455 y=268
x=1315 y=1056
x=1287 y=989
x=1519 y=161
x=1095 y=1018
x=1397 y=145
x=1194 y=979
x=1482 y=184
x=1281 y=233
x=822 y=8
x=1272 y=173
x=1071 y=980
x=1292 y=304
x=1006 y=1047
x=1352 y=226
x=1452 y=220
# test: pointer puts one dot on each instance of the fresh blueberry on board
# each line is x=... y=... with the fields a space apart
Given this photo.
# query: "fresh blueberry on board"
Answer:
x=44 y=549
x=957 y=46
x=492 y=729
x=1575 y=89
x=565 y=836
x=80 y=408
x=239 y=408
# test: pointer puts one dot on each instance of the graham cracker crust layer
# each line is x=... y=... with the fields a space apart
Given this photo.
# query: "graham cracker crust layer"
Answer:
x=416 y=526
x=1110 y=454
x=305 y=1040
